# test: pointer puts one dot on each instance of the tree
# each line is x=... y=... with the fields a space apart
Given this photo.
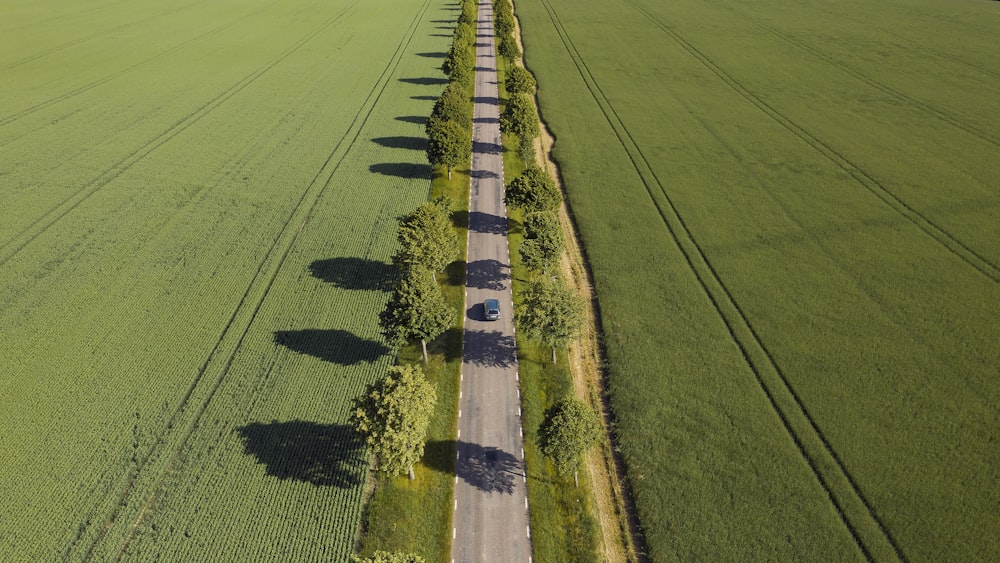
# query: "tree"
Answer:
x=526 y=149
x=508 y=49
x=543 y=241
x=569 y=429
x=416 y=310
x=519 y=117
x=453 y=105
x=393 y=415
x=519 y=81
x=533 y=190
x=448 y=144
x=389 y=557
x=540 y=223
x=460 y=63
x=427 y=238
x=550 y=312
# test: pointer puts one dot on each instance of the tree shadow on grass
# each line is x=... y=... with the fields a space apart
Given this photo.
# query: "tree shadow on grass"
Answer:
x=326 y=455
x=415 y=119
x=356 y=273
x=425 y=81
x=487 y=468
x=435 y=54
x=427 y=98
x=410 y=143
x=336 y=346
x=402 y=169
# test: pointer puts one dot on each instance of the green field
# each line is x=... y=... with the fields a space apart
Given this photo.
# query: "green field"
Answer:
x=792 y=215
x=198 y=206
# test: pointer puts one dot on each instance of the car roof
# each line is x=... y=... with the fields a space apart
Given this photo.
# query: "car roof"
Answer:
x=493 y=302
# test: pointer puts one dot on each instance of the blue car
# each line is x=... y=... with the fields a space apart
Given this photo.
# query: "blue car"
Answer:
x=491 y=309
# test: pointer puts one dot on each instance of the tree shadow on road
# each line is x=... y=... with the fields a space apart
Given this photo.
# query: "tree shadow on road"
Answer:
x=489 y=347
x=335 y=346
x=486 y=148
x=326 y=455
x=487 y=468
x=487 y=274
x=488 y=223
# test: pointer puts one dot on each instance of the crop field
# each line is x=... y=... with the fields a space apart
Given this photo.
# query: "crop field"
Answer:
x=792 y=214
x=198 y=206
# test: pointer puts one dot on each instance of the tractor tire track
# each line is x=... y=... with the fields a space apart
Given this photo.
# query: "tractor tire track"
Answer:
x=76 y=91
x=185 y=419
x=884 y=88
x=855 y=512
x=876 y=188
x=30 y=233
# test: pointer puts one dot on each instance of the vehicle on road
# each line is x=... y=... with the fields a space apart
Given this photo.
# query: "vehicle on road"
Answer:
x=491 y=309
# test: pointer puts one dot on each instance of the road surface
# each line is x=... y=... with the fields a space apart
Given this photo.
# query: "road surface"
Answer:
x=491 y=506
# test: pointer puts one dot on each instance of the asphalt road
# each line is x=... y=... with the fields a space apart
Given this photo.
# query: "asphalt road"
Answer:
x=491 y=506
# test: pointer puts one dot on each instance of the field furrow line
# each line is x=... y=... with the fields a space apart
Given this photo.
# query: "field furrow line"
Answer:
x=164 y=455
x=75 y=92
x=858 y=516
x=30 y=233
x=876 y=188
x=884 y=88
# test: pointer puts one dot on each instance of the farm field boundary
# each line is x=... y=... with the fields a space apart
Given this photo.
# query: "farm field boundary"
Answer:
x=203 y=312
x=829 y=203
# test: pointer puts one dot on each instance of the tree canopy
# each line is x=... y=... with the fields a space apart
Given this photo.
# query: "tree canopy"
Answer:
x=453 y=105
x=449 y=143
x=533 y=190
x=543 y=241
x=519 y=117
x=507 y=48
x=392 y=415
x=427 y=238
x=416 y=310
x=550 y=312
x=569 y=429
x=519 y=81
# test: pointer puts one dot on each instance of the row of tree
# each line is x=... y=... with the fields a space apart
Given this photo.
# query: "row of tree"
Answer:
x=394 y=412
x=449 y=128
x=549 y=311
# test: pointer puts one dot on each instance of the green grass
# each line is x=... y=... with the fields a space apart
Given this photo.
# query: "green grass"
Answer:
x=199 y=210
x=789 y=211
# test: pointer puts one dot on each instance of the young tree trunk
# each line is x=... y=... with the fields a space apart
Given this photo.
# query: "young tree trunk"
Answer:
x=553 y=355
x=576 y=482
x=412 y=476
x=449 y=172
x=423 y=343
